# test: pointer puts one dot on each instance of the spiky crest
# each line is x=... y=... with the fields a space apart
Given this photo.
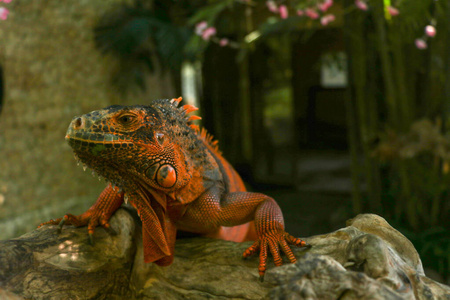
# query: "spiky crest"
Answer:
x=193 y=118
x=189 y=108
x=176 y=101
x=209 y=140
x=181 y=115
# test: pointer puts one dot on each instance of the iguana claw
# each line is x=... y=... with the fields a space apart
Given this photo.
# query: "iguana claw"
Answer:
x=91 y=239
x=273 y=242
x=60 y=225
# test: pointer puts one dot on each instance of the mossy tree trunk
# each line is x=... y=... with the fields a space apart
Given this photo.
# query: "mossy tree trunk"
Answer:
x=362 y=114
x=381 y=52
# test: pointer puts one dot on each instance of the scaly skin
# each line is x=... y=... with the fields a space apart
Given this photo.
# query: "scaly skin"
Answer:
x=176 y=178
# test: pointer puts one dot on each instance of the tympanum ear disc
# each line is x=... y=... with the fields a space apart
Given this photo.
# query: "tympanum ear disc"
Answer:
x=166 y=176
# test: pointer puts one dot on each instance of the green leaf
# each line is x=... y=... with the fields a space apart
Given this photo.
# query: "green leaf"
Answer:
x=210 y=13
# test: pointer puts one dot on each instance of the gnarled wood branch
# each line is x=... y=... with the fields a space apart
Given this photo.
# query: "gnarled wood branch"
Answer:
x=366 y=259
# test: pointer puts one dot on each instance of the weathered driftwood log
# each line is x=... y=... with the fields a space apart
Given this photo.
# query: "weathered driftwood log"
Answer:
x=368 y=259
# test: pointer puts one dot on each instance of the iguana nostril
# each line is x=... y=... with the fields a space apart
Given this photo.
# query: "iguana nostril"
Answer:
x=78 y=123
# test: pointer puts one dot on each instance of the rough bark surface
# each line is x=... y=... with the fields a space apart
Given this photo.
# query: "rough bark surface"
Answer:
x=368 y=259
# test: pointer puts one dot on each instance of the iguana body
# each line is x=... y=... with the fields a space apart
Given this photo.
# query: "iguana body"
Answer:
x=176 y=178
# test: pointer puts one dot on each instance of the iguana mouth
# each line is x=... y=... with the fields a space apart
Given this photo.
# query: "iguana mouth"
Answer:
x=95 y=143
x=92 y=137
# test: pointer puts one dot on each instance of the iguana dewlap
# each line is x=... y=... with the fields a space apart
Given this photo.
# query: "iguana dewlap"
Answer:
x=175 y=177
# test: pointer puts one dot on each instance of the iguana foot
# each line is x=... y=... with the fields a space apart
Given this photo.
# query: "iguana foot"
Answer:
x=91 y=218
x=99 y=214
x=273 y=242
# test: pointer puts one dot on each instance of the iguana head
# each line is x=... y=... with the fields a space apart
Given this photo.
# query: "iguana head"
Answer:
x=149 y=151
x=143 y=145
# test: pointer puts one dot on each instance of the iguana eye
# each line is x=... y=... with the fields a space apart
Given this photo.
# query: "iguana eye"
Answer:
x=126 y=119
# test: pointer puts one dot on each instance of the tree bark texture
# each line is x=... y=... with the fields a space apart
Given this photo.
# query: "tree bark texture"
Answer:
x=367 y=259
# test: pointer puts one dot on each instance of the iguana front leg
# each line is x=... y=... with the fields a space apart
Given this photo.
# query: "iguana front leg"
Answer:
x=99 y=213
x=215 y=209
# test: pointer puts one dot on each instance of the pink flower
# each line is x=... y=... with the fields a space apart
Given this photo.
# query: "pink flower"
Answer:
x=200 y=27
x=4 y=13
x=311 y=13
x=300 y=12
x=430 y=30
x=421 y=44
x=393 y=11
x=6 y=1
x=325 y=20
x=361 y=5
x=272 y=6
x=223 y=42
x=325 y=5
x=283 y=11
x=208 y=33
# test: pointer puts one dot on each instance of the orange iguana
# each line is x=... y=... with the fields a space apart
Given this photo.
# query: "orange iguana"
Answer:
x=174 y=175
